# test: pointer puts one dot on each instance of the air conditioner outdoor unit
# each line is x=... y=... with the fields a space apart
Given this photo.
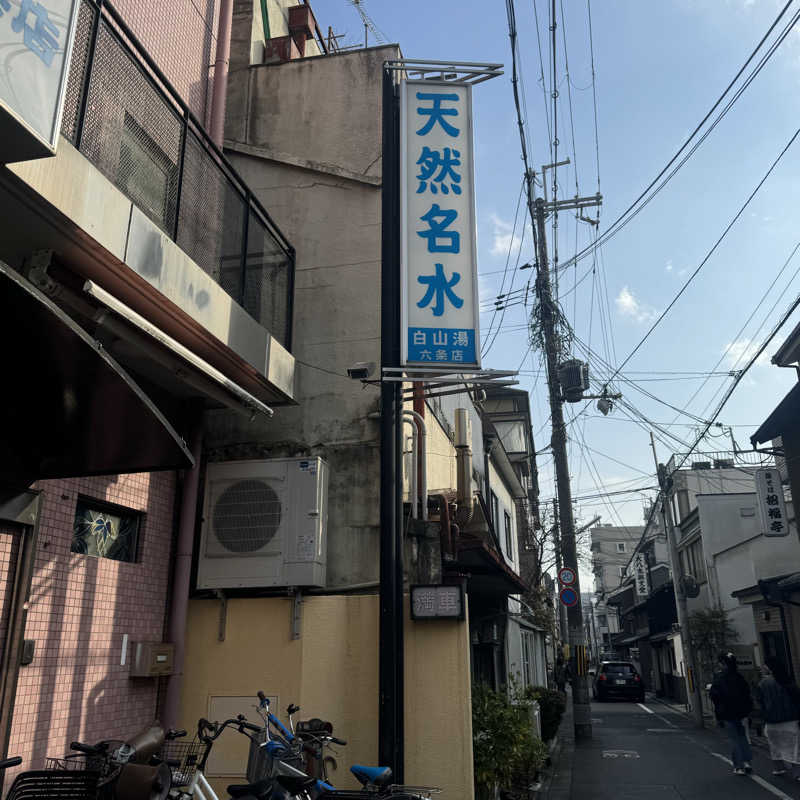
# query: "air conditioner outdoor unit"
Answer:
x=264 y=524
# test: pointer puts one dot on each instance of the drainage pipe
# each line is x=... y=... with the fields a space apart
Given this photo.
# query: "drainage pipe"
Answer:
x=220 y=89
x=412 y=475
x=423 y=459
x=179 y=605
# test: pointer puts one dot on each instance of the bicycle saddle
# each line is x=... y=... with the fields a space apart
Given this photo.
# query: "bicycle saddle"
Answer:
x=376 y=776
x=260 y=789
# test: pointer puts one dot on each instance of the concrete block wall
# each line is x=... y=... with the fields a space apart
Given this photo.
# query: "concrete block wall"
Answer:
x=80 y=608
x=182 y=38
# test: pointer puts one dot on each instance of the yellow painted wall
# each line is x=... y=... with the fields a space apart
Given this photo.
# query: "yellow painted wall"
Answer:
x=440 y=456
x=332 y=672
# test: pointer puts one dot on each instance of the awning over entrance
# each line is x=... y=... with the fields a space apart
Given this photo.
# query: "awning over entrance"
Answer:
x=489 y=574
x=68 y=409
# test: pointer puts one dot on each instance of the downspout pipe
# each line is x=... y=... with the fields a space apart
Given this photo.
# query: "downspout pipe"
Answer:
x=221 y=62
x=422 y=459
x=412 y=475
x=181 y=576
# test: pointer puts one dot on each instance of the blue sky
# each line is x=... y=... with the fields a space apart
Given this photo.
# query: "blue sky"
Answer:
x=659 y=68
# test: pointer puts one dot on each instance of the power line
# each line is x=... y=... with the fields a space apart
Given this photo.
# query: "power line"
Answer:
x=629 y=213
x=710 y=252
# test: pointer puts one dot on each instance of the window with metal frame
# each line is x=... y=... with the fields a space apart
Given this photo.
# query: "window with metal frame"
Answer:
x=509 y=538
x=103 y=530
x=495 y=512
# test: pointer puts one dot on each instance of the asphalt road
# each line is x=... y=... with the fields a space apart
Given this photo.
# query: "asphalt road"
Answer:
x=649 y=752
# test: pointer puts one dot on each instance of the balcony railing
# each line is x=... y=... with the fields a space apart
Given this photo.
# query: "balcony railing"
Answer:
x=123 y=115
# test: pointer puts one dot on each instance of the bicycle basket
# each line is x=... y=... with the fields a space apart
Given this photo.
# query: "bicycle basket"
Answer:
x=77 y=762
x=261 y=764
x=71 y=784
x=186 y=754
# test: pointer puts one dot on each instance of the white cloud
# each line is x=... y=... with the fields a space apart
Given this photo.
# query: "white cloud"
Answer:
x=503 y=237
x=739 y=353
x=669 y=266
x=629 y=306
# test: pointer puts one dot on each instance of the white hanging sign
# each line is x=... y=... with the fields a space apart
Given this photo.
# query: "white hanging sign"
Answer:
x=771 y=503
x=437 y=208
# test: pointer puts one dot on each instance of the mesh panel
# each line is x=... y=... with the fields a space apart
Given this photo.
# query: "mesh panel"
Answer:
x=247 y=516
x=211 y=217
x=131 y=133
x=77 y=71
x=266 y=287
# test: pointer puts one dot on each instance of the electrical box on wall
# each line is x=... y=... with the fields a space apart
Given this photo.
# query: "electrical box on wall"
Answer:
x=151 y=659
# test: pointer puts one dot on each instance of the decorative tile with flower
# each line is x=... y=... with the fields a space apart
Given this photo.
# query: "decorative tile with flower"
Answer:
x=105 y=531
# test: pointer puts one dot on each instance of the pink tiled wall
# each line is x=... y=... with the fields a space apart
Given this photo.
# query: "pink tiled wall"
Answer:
x=79 y=610
x=181 y=36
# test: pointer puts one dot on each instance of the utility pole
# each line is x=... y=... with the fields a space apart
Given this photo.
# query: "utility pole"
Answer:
x=562 y=609
x=581 y=705
x=693 y=687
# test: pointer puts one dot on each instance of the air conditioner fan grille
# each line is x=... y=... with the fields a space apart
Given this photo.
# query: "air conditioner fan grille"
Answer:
x=247 y=516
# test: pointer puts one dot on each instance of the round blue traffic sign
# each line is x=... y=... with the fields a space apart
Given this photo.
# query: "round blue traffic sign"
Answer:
x=568 y=596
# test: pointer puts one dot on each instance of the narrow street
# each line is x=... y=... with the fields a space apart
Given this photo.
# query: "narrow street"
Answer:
x=649 y=752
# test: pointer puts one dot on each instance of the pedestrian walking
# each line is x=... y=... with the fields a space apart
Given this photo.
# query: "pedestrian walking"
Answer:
x=732 y=705
x=778 y=698
x=561 y=675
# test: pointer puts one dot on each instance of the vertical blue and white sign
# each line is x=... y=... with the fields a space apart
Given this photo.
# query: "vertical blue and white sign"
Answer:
x=437 y=202
x=35 y=47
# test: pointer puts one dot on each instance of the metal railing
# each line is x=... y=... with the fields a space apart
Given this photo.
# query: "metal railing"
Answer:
x=720 y=460
x=122 y=114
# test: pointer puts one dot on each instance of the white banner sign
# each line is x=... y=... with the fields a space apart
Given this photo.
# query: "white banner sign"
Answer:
x=438 y=251
x=36 y=41
x=771 y=503
x=641 y=575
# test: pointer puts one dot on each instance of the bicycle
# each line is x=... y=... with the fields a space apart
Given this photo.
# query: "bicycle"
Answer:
x=317 y=735
x=108 y=770
x=188 y=769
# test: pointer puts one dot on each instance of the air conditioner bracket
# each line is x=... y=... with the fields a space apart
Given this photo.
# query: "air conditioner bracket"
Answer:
x=223 y=614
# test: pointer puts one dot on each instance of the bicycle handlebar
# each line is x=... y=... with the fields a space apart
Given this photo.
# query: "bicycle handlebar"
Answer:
x=14 y=761
x=175 y=734
x=338 y=741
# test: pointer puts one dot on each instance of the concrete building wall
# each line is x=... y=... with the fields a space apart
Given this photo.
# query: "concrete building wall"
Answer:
x=607 y=558
x=332 y=672
x=80 y=608
x=737 y=554
x=506 y=506
x=688 y=483
x=306 y=136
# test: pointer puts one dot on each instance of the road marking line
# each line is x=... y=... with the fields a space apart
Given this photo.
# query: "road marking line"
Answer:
x=665 y=720
x=648 y=710
x=759 y=780
x=663 y=730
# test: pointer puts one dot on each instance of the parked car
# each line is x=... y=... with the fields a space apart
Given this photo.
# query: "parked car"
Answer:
x=618 y=679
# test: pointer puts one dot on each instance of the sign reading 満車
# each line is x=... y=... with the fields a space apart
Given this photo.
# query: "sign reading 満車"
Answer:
x=36 y=40
x=771 y=503
x=437 y=602
x=437 y=209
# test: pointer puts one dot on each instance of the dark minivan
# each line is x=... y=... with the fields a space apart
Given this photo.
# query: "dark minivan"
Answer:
x=618 y=679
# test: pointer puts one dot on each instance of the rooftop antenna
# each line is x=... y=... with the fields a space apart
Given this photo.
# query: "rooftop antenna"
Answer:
x=369 y=25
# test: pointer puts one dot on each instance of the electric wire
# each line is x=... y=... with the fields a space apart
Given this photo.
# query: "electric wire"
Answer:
x=634 y=207
x=710 y=252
